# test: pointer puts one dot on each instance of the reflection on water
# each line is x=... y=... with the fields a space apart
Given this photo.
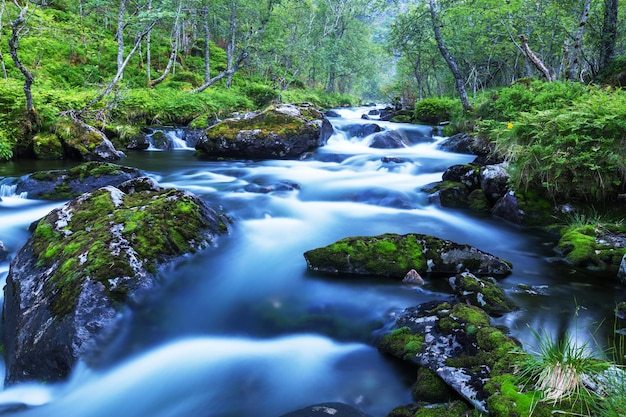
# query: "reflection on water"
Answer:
x=245 y=329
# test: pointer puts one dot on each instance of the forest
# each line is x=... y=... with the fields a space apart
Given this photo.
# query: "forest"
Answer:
x=122 y=64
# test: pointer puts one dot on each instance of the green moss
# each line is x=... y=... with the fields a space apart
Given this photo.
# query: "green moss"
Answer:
x=402 y=343
x=453 y=409
x=508 y=400
x=429 y=387
x=579 y=245
x=97 y=240
x=47 y=146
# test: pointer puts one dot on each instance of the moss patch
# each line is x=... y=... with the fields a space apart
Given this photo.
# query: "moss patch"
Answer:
x=111 y=237
x=402 y=343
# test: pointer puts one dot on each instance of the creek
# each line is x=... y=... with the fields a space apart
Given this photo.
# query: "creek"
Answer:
x=243 y=328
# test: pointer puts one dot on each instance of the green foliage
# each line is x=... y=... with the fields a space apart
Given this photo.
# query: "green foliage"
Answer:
x=320 y=98
x=436 y=110
x=577 y=151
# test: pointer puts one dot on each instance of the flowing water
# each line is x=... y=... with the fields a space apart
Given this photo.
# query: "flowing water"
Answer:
x=243 y=329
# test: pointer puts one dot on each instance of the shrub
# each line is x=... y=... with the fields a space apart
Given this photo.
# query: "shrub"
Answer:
x=574 y=152
x=436 y=110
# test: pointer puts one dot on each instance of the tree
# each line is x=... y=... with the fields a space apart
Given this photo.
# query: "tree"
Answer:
x=459 y=81
x=4 y=68
x=608 y=37
x=18 y=29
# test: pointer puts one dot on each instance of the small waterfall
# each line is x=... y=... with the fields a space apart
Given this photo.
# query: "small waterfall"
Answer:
x=8 y=190
x=168 y=138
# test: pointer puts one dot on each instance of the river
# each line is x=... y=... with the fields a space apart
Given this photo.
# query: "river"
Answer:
x=243 y=329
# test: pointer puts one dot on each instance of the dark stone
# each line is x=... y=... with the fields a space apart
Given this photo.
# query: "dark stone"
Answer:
x=365 y=117
x=361 y=130
x=392 y=255
x=388 y=139
x=374 y=112
x=4 y=253
x=508 y=208
x=331 y=113
x=69 y=183
x=621 y=273
x=327 y=131
x=467 y=174
x=326 y=410
x=264 y=189
x=85 y=262
x=139 y=142
x=459 y=143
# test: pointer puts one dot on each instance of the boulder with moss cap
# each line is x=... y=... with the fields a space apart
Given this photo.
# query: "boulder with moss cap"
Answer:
x=85 y=261
x=279 y=132
x=393 y=255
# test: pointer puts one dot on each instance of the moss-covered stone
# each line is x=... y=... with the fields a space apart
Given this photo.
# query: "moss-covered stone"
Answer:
x=508 y=399
x=484 y=293
x=70 y=183
x=392 y=255
x=284 y=131
x=107 y=236
x=429 y=387
x=452 y=409
x=47 y=146
x=82 y=142
x=401 y=343
x=477 y=200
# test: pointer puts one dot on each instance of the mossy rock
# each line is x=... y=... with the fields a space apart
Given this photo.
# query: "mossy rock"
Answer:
x=429 y=387
x=281 y=132
x=83 y=142
x=452 y=409
x=47 y=146
x=451 y=194
x=392 y=255
x=87 y=260
x=508 y=399
x=484 y=293
x=70 y=183
x=401 y=343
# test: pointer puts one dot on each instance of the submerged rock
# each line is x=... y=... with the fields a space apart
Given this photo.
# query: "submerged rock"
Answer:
x=69 y=183
x=392 y=255
x=84 y=262
x=281 y=132
x=327 y=409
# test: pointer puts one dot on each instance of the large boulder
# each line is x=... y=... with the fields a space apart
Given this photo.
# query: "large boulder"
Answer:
x=392 y=255
x=494 y=181
x=388 y=139
x=280 y=132
x=456 y=342
x=69 y=183
x=84 y=262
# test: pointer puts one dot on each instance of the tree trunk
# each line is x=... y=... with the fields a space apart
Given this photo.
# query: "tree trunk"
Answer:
x=17 y=27
x=608 y=36
x=148 y=53
x=120 y=71
x=454 y=68
x=534 y=59
x=573 y=66
x=230 y=50
x=120 y=35
x=207 y=42
x=4 y=68
x=172 y=59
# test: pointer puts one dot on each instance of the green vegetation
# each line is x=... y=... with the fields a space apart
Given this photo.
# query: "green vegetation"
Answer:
x=107 y=237
x=436 y=110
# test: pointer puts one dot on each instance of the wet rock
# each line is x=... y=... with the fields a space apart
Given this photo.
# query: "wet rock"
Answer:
x=4 y=253
x=69 y=183
x=456 y=342
x=139 y=142
x=282 y=132
x=362 y=130
x=508 y=208
x=331 y=113
x=388 y=139
x=494 y=181
x=85 y=262
x=392 y=255
x=327 y=410
x=413 y=278
x=365 y=117
x=450 y=194
x=466 y=174
x=374 y=112
x=484 y=293
x=327 y=131
x=621 y=273
x=264 y=189
x=459 y=143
